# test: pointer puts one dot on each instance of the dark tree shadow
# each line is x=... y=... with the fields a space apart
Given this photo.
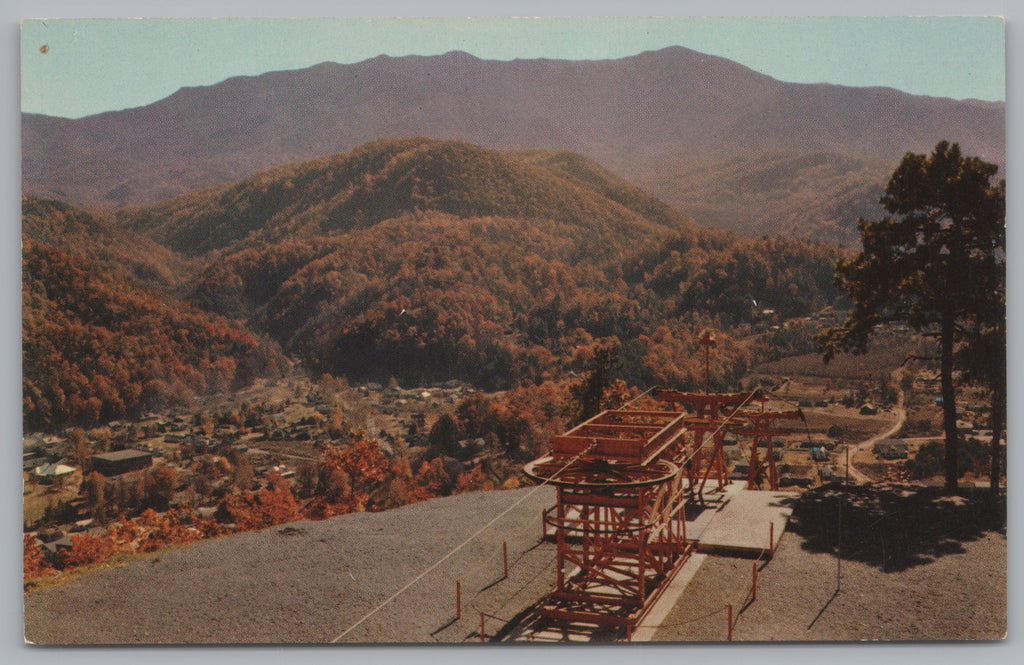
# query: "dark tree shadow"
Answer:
x=895 y=527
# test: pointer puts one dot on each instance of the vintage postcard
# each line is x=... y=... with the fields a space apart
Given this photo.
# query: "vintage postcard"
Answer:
x=513 y=330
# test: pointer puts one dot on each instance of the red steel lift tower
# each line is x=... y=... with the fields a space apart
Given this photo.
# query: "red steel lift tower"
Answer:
x=622 y=480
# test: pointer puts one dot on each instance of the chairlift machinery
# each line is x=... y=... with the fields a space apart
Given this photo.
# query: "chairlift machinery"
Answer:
x=623 y=479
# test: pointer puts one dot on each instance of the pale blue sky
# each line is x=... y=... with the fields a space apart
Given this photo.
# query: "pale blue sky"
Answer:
x=76 y=67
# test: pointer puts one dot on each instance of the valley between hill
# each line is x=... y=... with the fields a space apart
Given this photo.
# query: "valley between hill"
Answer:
x=414 y=259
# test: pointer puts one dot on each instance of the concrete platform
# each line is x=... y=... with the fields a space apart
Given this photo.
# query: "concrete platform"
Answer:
x=751 y=522
x=699 y=517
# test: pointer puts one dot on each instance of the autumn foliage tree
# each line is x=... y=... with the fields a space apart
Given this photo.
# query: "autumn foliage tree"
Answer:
x=147 y=532
x=98 y=347
x=161 y=483
x=358 y=476
x=474 y=480
x=87 y=548
x=433 y=477
x=274 y=504
x=34 y=564
x=94 y=490
x=519 y=423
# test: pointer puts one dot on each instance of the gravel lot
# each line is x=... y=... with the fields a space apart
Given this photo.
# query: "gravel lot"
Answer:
x=308 y=582
x=915 y=567
x=957 y=597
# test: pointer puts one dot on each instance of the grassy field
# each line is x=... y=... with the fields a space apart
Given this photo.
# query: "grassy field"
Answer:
x=36 y=497
x=881 y=359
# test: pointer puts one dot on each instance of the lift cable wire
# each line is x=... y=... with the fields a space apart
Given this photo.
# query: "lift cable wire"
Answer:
x=453 y=551
x=643 y=394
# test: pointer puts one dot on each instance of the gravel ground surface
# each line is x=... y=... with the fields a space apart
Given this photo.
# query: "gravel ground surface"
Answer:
x=309 y=582
x=957 y=597
x=916 y=567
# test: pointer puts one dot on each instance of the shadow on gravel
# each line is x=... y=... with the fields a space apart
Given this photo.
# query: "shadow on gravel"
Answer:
x=894 y=527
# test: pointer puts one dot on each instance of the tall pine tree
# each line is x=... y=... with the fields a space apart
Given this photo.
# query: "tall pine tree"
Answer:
x=937 y=263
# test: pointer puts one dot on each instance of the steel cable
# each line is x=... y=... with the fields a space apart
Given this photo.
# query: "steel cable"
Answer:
x=454 y=550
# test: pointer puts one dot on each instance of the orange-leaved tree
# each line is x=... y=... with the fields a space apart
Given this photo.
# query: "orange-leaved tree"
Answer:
x=274 y=504
x=35 y=564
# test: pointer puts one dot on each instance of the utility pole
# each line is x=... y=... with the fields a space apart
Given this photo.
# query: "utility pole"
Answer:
x=839 y=544
x=707 y=340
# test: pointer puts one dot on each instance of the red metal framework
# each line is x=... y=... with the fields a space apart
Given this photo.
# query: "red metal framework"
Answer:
x=712 y=412
x=760 y=430
x=622 y=480
x=618 y=521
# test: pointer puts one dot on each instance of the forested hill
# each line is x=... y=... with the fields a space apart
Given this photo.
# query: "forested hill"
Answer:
x=417 y=259
x=93 y=236
x=427 y=260
x=98 y=347
x=726 y=145
x=388 y=178
x=494 y=301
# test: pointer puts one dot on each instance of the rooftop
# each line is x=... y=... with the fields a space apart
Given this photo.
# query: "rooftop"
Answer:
x=119 y=455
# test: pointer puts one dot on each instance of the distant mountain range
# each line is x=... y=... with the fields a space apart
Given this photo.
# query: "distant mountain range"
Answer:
x=728 y=146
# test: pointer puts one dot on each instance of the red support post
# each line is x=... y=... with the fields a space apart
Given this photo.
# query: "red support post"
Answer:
x=483 y=635
x=504 y=555
x=753 y=582
x=771 y=538
x=560 y=540
x=458 y=599
x=729 y=624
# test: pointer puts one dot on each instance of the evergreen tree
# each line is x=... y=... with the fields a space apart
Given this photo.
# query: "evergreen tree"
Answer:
x=444 y=436
x=601 y=370
x=933 y=264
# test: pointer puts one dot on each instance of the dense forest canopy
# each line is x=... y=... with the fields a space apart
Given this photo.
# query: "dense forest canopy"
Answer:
x=437 y=297
x=389 y=178
x=444 y=290
x=96 y=347
x=417 y=259
x=92 y=235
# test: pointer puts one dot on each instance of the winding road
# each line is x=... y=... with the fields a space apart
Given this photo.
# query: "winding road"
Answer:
x=901 y=416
